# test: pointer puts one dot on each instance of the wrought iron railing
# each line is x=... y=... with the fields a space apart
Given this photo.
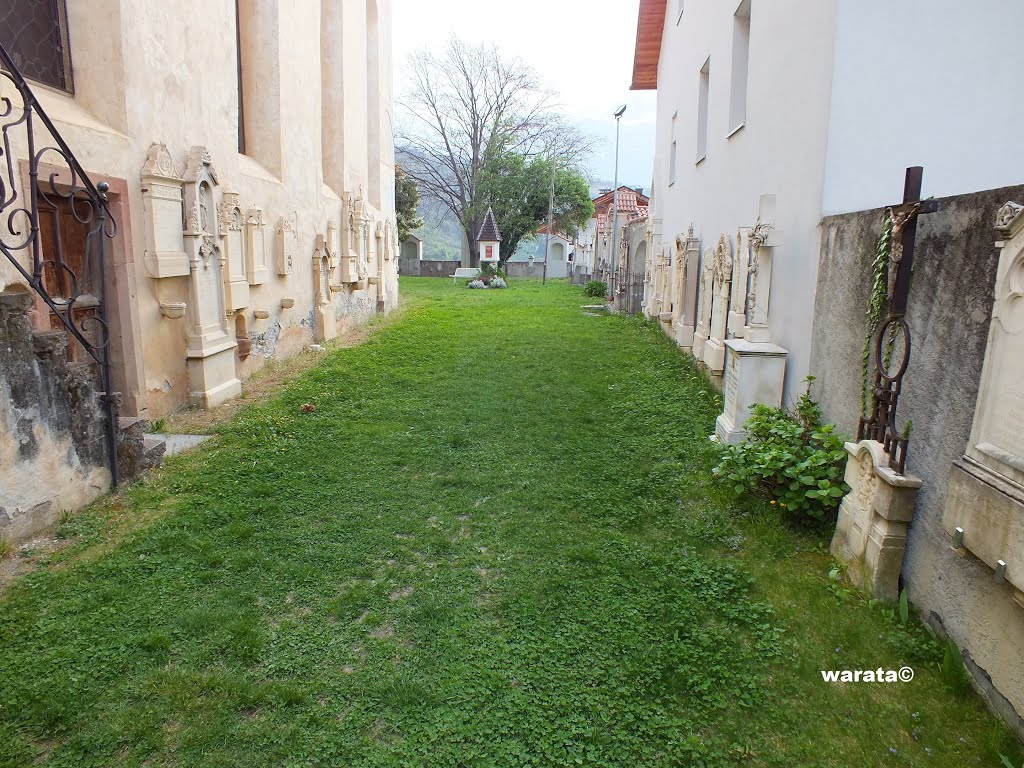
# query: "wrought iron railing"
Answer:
x=57 y=185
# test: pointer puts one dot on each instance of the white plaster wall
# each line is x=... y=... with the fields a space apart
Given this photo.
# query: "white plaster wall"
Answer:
x=780 y=150
x=924 y=82
x=156 y=72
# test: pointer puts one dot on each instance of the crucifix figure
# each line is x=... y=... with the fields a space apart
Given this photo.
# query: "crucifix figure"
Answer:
x=881 y=424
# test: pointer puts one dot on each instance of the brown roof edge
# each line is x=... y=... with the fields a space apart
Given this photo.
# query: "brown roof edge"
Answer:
x=650 y=26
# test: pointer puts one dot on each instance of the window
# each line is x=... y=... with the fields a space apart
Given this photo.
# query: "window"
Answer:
x=740 y=66
x=672 y=153
x=373 y=86
x=257 y=36
x=332 y=96
x=238 y=73
x=36 y=35
x=702 y=110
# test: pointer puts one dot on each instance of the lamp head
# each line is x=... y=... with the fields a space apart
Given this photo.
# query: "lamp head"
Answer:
x=619 y=111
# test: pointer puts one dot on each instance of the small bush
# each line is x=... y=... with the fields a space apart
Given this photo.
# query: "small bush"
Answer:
x=487 y=269
x=596 y=288
x=497 y=282
x=795 y=457
x=476 y=284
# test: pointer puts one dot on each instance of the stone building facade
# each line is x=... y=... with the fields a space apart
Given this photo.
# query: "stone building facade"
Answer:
x=247 y=149
x=274 y=119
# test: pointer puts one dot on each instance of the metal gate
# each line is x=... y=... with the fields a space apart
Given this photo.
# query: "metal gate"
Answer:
x=54 y=232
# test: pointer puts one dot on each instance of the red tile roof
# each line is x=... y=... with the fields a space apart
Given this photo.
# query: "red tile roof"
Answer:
x=629 y=201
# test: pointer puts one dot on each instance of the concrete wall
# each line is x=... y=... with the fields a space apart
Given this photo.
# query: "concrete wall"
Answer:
x=525 y=269
x=780 y=148
x=317 y=83
x=949 y=312
x=416 y=268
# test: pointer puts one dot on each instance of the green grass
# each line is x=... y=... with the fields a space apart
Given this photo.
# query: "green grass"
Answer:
x=496 y=542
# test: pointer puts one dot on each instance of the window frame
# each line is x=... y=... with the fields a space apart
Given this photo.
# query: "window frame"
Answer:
x=59 y=26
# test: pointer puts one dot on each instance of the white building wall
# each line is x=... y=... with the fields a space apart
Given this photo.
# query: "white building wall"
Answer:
x=780 y=149
x=923 y=82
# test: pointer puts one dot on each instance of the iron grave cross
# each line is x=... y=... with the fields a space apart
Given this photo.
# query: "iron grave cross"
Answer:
x=881 y=424
x=904 y=229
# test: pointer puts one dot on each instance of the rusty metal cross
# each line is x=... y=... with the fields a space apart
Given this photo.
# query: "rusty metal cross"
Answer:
x=904 y=218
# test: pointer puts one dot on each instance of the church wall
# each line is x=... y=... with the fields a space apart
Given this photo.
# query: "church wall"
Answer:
x=148 y=73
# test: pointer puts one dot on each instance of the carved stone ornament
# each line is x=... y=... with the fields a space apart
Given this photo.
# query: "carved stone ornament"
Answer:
x=723 y=260
x=287 y=243
x=1008 y=214
x=159 y=163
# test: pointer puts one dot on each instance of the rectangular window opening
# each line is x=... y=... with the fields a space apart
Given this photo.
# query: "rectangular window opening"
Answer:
x=740 y=66
x=238 y=73
x=36 y=35
x=702 y=110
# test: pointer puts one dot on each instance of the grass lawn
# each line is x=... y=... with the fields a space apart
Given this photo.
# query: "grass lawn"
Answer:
x=495 y=542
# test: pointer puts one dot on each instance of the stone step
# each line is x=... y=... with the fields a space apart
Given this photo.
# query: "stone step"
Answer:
x=154 y=447
x=179 y=443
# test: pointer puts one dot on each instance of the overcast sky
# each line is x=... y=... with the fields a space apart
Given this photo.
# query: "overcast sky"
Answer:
x=583 y=49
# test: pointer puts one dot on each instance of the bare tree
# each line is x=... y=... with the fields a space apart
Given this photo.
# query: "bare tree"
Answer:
x=461 y=107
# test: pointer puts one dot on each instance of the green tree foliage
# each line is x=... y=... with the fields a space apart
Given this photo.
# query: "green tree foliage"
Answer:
x=407 y=200
x=517 y=189
x=466 y=105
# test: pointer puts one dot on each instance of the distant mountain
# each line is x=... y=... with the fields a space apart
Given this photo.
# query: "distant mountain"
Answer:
x=441 y=232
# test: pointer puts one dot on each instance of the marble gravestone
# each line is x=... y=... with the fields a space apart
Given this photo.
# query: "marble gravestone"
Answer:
x=754 y=372
x=984 y=510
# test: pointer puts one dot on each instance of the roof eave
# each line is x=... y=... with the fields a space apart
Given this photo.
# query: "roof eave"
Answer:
x=647 y=53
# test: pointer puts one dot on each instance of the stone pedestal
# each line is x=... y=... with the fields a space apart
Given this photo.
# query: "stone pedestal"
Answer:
x=714 y=356
x=989 y=510
x=212 y=378
x=753 y=374
x=684 y=336
x=871 y=533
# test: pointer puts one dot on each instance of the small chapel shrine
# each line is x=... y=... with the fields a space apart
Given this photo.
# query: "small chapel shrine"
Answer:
x=489 y=240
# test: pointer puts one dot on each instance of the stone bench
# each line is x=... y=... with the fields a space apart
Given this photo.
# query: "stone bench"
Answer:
x=465 y=273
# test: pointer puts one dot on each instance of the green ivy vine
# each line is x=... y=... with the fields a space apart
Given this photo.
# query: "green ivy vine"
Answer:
x=876 y=304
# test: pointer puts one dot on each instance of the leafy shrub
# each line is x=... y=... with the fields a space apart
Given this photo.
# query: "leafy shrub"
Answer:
x=795 y=457
x=596 y=288
x=487 y=269
x=497 y=282
x=476 y=284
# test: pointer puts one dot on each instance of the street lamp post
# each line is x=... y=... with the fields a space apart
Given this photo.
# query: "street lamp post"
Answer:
x=615 y=207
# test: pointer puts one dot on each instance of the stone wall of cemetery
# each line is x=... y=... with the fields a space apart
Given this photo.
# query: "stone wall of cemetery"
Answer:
x=414 y=267
x=228 y=256
x=950 y=309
